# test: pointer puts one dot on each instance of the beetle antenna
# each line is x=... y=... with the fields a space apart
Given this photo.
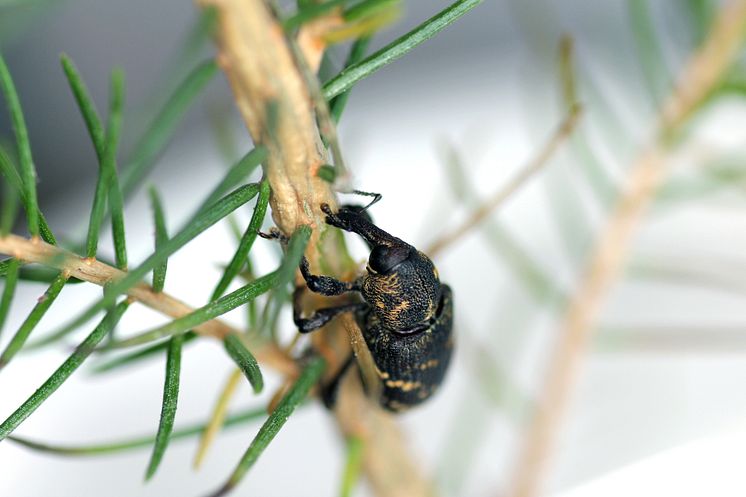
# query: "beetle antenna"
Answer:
x=376 y=197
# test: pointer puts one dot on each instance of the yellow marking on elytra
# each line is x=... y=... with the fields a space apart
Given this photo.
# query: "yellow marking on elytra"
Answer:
x=429 y=364
x=430 y=309
x=405 y=386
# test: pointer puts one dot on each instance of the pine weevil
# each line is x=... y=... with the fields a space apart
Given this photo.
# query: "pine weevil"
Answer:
x=406 y=313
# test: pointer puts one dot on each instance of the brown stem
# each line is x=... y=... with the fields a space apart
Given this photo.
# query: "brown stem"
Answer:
x=99 y=273
x=93 y=271
x=277 y=108
x=703 y=71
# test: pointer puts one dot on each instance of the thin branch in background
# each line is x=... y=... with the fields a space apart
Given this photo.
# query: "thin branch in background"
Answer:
x=701 y=74
x=134 y=443
x=140 y=355
x=217 y=418
x=507 y=248
x=692 y=339
x=535 y=165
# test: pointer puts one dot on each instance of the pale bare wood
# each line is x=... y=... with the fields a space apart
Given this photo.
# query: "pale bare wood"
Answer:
x=259 y=65
x=706 y=67
x=311 y=39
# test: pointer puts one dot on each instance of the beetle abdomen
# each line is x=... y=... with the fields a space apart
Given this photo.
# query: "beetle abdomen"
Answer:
x=411 y=366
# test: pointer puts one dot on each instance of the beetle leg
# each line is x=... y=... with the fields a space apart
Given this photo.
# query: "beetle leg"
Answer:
x=326 y=285
x=274 y=234
x=321 y=316
x=330 y=391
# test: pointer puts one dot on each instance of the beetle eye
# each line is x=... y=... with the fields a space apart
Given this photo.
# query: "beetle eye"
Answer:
x=383 y=259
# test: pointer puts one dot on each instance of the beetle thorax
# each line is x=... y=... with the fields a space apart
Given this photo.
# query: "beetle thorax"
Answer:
x=406 y=297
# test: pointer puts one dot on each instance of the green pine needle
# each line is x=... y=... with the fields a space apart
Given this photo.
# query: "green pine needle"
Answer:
x=5 y=267
x=108 y=183
x=9 y=209
x=310 y=12
x=357 y=52
x=97 y=215
x=8 y=170
x=649 y=50
x=44 y=303
x=235 y=175
x=109 y=165
x=86 y=105
x=295 y=249
x=247 y=241
x=8 y=290
x=158 y=134
x=351 y=473
x=140 y=355
x=203 y=314
x=368 y=9
x=295 y=395
x=245 y=361
x=161 y=237
x=209 y=217
x=291 y=260
x=62 y=373
x=28 y=172
x=170 y=400
x=11 y=173
x=396 y=49
x=699 y=14
x=135 y=443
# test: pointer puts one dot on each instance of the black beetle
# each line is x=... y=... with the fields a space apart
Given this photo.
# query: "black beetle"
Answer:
x=406 y=315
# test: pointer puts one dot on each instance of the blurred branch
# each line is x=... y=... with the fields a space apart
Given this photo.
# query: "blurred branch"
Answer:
x=670 y=339
x=537 y=163
x=701 y=74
